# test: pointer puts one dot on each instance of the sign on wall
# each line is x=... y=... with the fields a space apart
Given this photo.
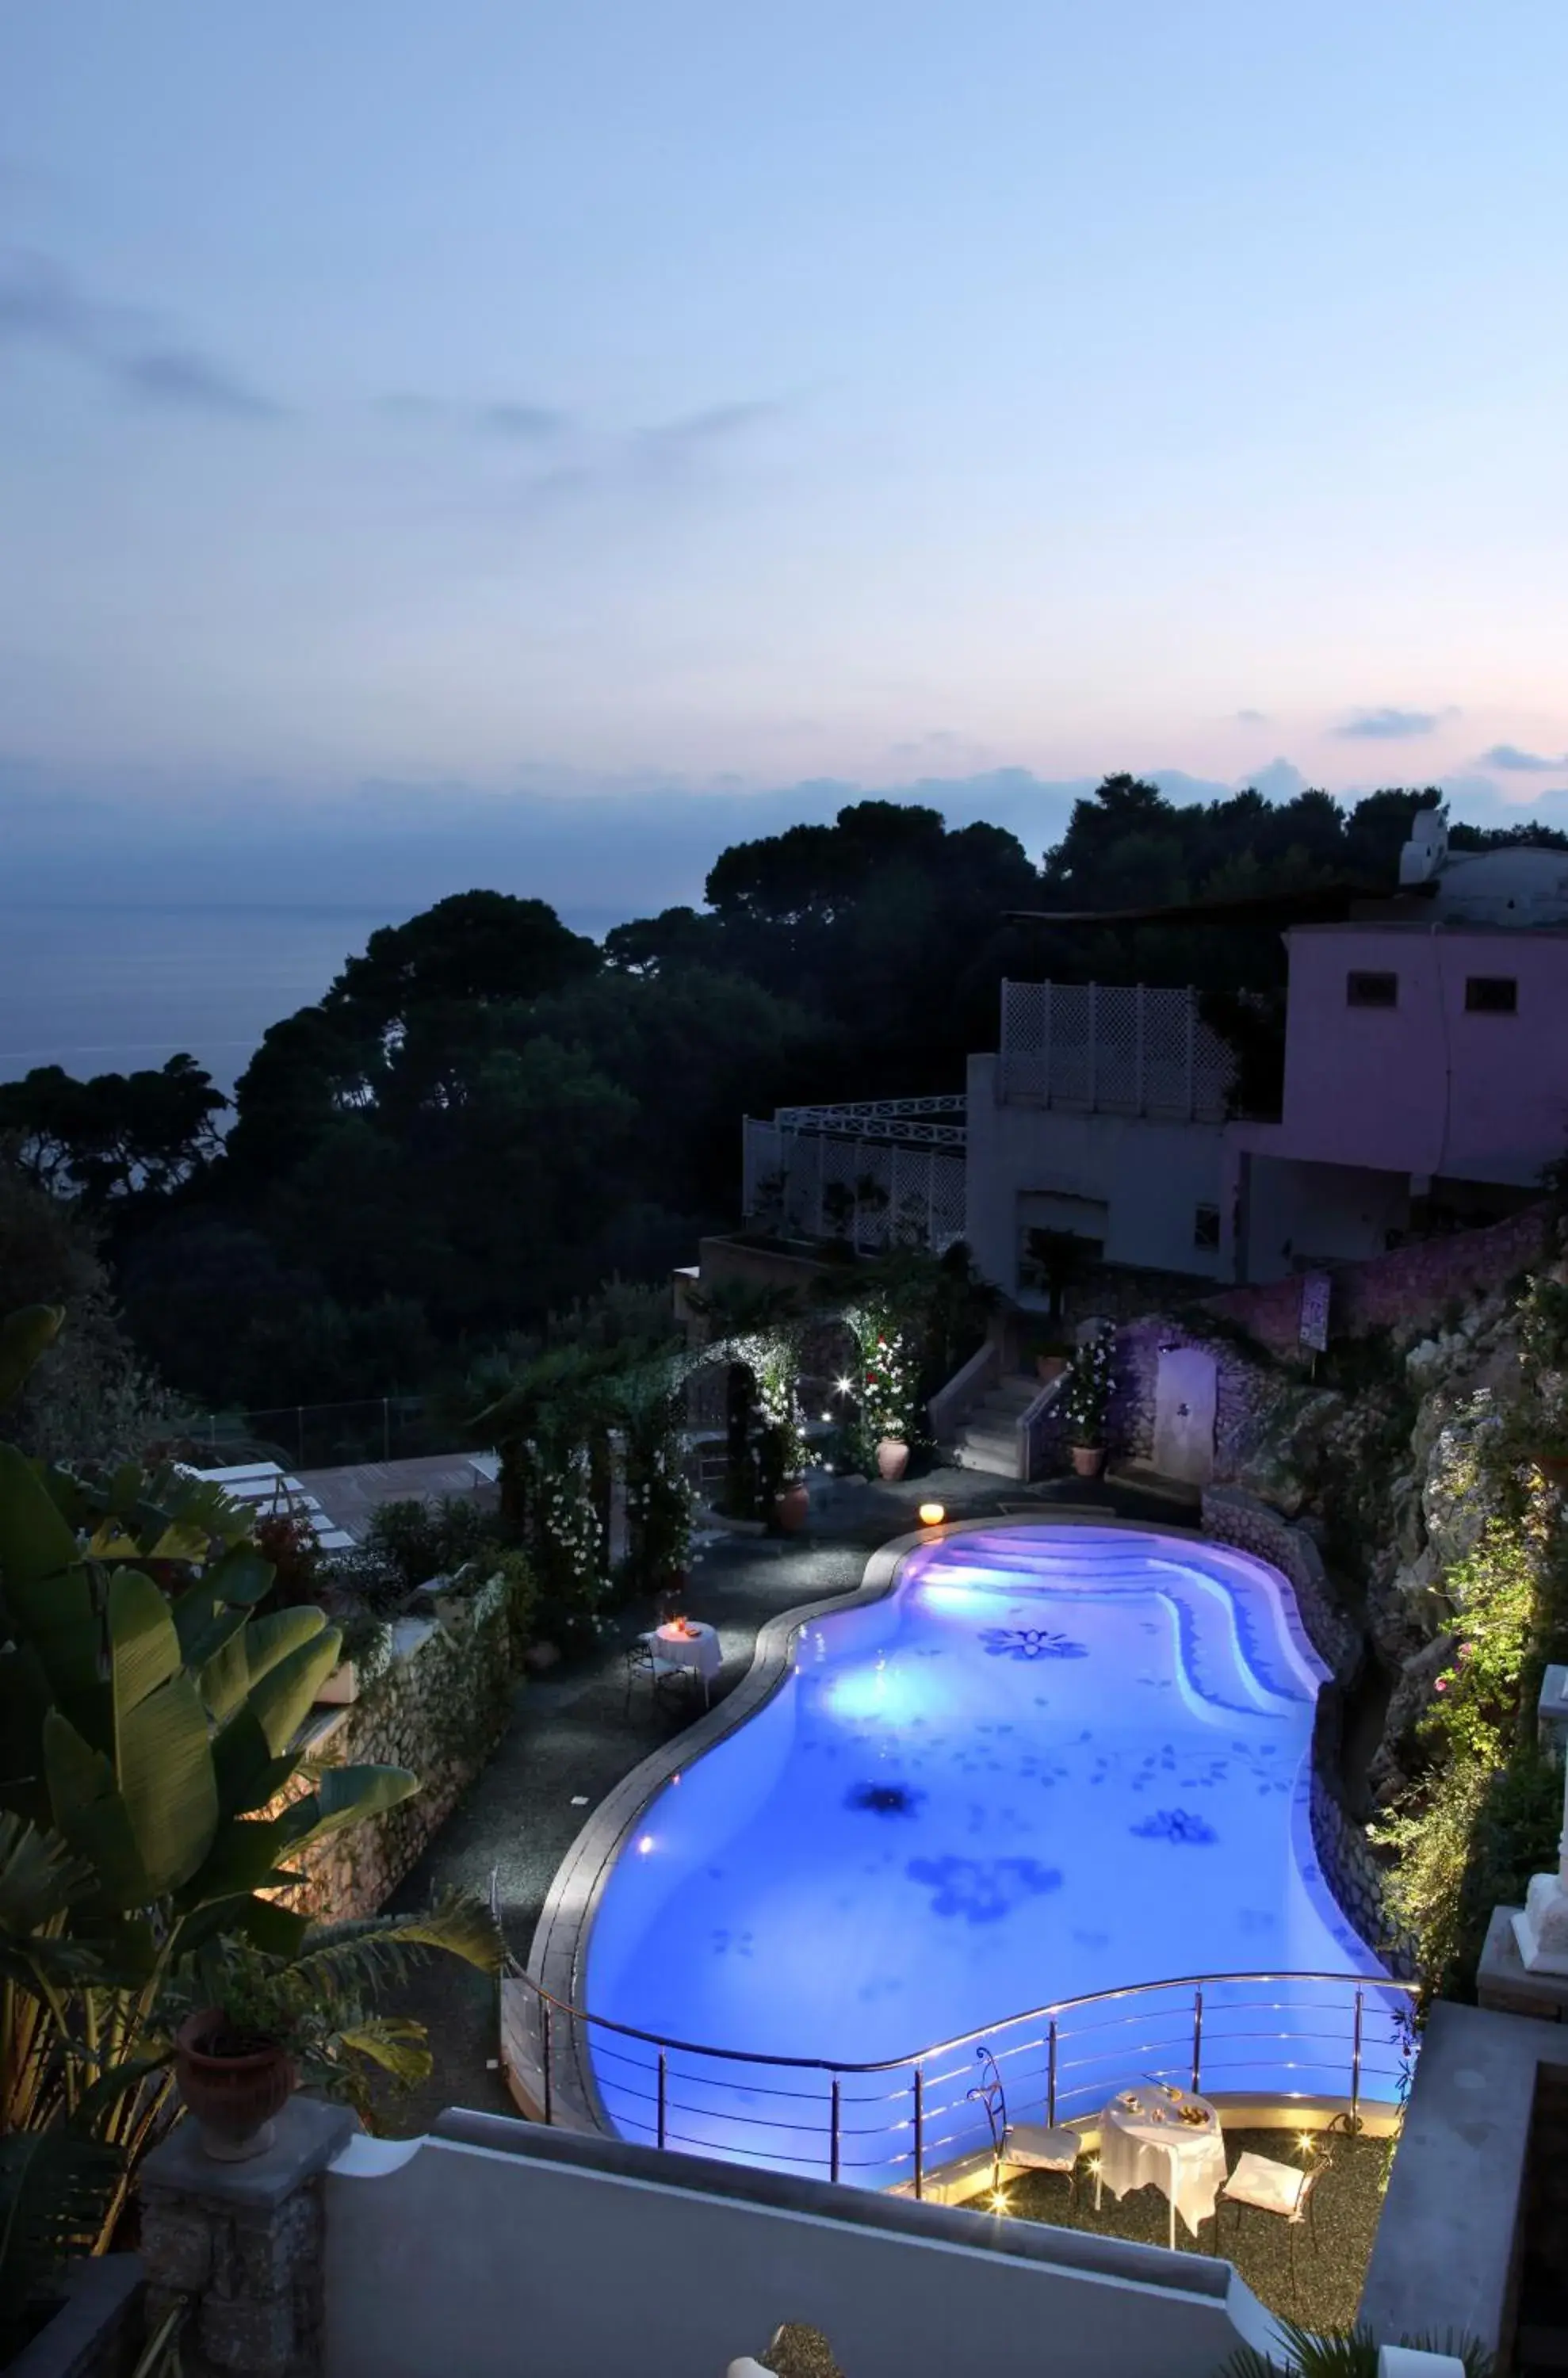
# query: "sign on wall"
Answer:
x=1315 y=1287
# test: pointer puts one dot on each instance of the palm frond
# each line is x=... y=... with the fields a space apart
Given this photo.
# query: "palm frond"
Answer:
x=56 y=2191
x=341 y=1963
x=398 y=2047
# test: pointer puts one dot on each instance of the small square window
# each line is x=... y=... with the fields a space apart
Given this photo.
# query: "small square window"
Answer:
x=1206 y=1226
x=1371 y=990
x=1491 y=994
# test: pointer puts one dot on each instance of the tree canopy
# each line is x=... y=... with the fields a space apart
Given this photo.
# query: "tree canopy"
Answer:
x=486 y=1115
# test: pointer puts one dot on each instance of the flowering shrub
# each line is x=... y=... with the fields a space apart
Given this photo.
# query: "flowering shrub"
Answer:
x=660 y=1504
x=1086 y=1398
x=565 y=1540
x=888 y=1385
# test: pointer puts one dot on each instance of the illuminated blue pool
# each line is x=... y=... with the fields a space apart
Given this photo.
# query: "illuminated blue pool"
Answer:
x=1053 y=1761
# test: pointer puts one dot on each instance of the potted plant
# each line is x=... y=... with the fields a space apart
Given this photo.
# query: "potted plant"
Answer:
x=887 y=1388
x=365 y=1655
x=253 y=2026
x=1086 y=1401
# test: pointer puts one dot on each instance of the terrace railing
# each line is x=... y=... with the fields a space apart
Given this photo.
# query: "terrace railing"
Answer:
x=875 y=1174
x=899 y=2122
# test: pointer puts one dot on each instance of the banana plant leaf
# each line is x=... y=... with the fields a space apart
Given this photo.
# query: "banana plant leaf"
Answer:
x=281 y=1698
x=242 y=1661
x=89 y=1811
x=163 y=1751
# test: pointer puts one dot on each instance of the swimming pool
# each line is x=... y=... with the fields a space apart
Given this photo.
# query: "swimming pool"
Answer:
x=1051 y=1761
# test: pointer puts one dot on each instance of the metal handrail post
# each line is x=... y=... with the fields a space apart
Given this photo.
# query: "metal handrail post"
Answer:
x=1355 y=2064
x=663 y=2092
x=1051 y=2077
x=547 y=2040
x=1197 y=2037
x=919 y=2132
x=833 y=2133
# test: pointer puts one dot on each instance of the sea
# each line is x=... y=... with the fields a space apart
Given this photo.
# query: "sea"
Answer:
x=102 y=989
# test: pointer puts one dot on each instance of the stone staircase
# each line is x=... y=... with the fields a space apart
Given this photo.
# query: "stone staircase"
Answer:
x=987 y=1439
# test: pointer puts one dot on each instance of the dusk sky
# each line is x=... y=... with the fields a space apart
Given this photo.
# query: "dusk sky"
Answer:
x=406 y=407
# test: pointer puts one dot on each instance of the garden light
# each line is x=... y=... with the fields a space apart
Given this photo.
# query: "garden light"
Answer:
x=932 y=1515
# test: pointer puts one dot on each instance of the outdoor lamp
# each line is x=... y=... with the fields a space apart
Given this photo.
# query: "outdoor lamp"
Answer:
x=932 y=1515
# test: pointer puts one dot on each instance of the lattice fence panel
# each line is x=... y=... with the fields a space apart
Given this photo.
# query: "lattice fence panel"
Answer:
x=1026 y=1034
x=1118 y=1044
x=1167 y=1019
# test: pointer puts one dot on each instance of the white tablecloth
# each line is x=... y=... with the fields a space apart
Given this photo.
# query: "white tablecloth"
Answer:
x=700 y=1650
x=1146 y=2143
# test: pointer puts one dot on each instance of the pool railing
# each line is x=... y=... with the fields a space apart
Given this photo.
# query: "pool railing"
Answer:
x=1301 y=2040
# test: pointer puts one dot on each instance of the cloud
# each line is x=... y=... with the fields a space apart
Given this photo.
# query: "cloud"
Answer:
x=1390 y=725
x=691 y=438
x=1280 y=781
x=43 y=305
x=1251 y=718
x=1508 y=755
x=188 y=382
x=524 y=421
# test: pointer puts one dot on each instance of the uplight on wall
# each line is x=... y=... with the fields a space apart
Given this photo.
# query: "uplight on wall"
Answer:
x=932 y=1515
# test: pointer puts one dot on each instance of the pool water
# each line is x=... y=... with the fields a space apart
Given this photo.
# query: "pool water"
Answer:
x=1053 y=1761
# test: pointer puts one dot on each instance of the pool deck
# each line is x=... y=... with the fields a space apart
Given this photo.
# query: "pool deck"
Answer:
x=570 y=1742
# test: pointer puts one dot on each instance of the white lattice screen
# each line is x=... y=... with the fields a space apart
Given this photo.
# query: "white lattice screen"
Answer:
x=870 y=1193
x=1114 y=1048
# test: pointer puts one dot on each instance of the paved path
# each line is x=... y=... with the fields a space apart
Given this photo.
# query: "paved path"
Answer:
x=572 y=1739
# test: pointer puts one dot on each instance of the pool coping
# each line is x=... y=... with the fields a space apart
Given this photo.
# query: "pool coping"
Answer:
x=557 y=1952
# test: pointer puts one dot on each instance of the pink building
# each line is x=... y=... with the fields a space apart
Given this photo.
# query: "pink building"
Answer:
x=1426 y=1078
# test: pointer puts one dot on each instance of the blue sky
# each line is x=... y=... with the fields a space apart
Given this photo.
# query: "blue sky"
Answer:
x=404 y=410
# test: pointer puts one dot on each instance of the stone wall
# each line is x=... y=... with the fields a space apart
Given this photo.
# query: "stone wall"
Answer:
x=439 y=1711
x=1349 y=1864
x=1245 y=1393
x=1231 y=1517
x=1406 y=1290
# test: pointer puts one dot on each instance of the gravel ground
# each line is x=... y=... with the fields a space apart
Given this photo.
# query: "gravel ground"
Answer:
x=570 y=1740
x=1329 y=2270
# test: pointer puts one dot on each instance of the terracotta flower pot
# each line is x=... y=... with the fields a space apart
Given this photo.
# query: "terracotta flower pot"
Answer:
x=791 y=1508
x=233 y=2099
x=892 y=1459
x=1087 y=1459
x=1050 y=1366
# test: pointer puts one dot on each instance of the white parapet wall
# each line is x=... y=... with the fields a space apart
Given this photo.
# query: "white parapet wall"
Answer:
x=500 y=2250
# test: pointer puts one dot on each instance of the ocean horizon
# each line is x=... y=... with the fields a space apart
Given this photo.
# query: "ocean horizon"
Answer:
x=109 y=988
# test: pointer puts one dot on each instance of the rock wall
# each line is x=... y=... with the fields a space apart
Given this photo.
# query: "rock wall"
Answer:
x=439 y=1710
x=1232 y=1516
x=1406 y=1289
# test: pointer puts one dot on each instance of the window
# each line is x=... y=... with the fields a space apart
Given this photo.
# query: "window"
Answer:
x=1371 y=990
x=1491 y=994
x=1206 y=1227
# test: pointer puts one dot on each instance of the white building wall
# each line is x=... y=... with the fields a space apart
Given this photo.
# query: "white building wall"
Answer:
x=507 y=2261
x=1298 y=1215
x=1151 y=1177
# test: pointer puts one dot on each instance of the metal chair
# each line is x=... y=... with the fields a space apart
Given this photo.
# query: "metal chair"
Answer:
x=1032 y=2146
x=666 y=1678
x=1287 y=2191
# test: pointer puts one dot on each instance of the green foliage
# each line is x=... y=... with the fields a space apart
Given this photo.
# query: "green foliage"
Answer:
x=887 y=1387
x=1350 y=2353
x=150 y=1718
x=319 y=2002
x=409 y=1542
x=117 y=1136
x=1485 y=1815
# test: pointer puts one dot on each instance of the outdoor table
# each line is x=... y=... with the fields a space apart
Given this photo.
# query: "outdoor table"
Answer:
x=1144 y=2140
x=694 y=1645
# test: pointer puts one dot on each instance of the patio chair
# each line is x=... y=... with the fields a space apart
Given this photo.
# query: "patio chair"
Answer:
x=1287 y=2191
x=668 y=1679
x=1031 y=2147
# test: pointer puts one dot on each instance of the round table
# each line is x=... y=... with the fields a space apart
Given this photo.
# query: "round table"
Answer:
x=695 y=1645
x=1144 y=2140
